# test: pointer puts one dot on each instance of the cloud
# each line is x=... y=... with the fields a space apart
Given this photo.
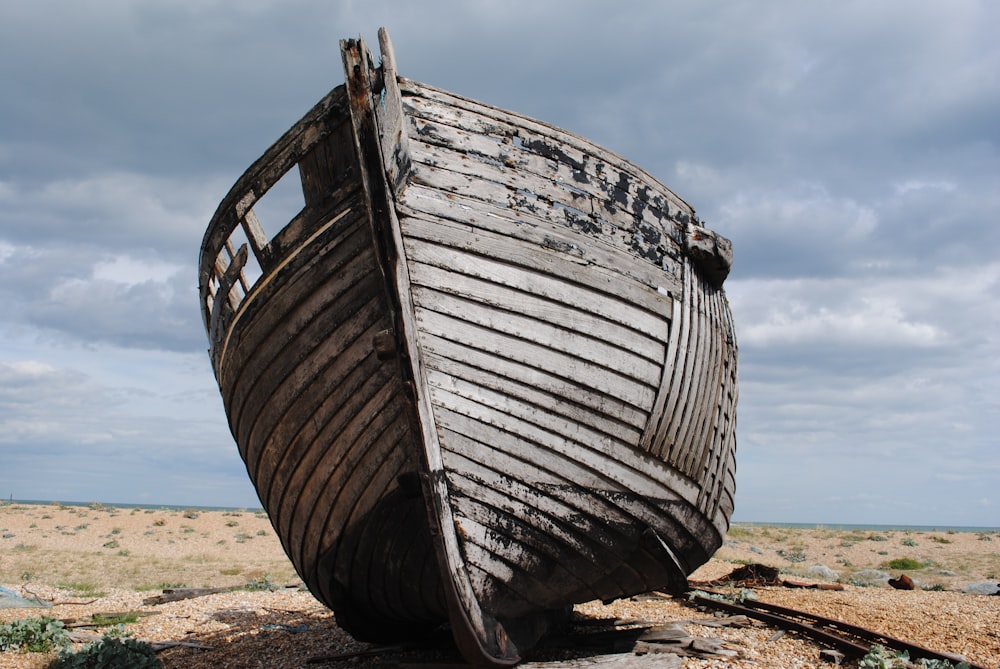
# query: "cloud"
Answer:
x=851 y=152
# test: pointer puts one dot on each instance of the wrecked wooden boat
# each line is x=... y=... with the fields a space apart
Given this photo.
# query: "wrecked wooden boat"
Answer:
x=485 y=372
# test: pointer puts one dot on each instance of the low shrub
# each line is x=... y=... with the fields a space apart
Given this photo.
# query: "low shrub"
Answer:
x=796 y=554
x=35 y=635
x=110 y=653
x=903 y=564
x=880 y=657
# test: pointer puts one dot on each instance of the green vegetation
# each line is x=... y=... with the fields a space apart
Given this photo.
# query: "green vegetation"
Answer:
x=262 y=583
x=908 y=542
x=795 y=554
x=734 y=596
x=907 y=564
x=880 y=657
x=34 y=635
x=940 y=540
x=110 y=653
x=109 y=619
x=82 y=588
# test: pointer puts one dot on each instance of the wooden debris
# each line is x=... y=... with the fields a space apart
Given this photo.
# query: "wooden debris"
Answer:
x=815 y=586
x=746 y=576
x=164 y=645
x=178 y=594
x=759 y=575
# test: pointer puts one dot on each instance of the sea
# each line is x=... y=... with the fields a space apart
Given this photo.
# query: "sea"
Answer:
x=868 y=527
x=119 y=505
x=865 y=527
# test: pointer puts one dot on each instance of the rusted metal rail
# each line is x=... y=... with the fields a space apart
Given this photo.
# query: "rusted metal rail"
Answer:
x=853 y=641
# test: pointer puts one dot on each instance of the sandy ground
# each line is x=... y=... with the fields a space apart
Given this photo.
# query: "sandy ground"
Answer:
x=105 y=559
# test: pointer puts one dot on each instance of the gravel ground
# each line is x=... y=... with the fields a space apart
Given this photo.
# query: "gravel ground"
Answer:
x=61 y=555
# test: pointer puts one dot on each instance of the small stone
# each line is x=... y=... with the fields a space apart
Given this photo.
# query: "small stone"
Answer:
x=904 y=582
x=828 y=655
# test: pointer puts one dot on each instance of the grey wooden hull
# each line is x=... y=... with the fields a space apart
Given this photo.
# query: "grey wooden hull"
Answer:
x=487 y=372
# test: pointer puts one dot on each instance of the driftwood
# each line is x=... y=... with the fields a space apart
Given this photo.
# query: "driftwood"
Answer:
x=814 y=586
x=177 y=594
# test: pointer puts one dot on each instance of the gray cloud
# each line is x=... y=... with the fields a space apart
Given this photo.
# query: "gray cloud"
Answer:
x=850 y=151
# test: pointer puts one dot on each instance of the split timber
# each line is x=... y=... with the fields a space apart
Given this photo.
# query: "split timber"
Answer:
x=487 y=371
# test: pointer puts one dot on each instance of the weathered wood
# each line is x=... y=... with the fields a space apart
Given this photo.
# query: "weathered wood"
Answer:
x=179 y=594
x=486 y=372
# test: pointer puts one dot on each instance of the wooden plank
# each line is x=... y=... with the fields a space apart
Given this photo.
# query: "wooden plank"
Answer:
x=491 y=501
x=665 y=437
x=391 y=122
x=555 y=193
x=596 y=462
x=558 y=276
x=440 y=352
x=658 y=416
x=265 y=172
x=298 y=353
x=335 y=244
x=537 y=230
x=519 y=329
x=696 y=396
x=612 y=421
x=537 y=199
x=329 y=165
x=581 y=375
x=602 y=487
x=340 y=476
x=317 y=416
x=560 y=551
x=541 y=482
x=542 y=414
x=547 y=140
x=476 y=634
x=504 y=299
x=343 y=425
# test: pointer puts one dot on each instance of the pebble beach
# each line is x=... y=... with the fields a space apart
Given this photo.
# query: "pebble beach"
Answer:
x=83 y=559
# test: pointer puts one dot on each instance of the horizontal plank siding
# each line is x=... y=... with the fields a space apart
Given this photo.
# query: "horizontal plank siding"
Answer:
x=536 y=302
x=487 y=371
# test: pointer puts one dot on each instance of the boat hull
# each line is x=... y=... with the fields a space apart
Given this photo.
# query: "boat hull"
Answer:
x=486 y=373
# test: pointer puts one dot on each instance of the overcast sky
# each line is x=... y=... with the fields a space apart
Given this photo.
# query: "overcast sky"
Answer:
x=848 y=149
